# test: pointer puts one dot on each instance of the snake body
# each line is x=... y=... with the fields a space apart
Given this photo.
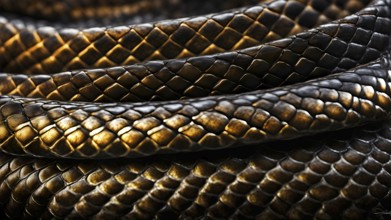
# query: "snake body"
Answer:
x=294 y=122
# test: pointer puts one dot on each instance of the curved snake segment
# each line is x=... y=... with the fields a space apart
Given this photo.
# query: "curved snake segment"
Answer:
x=268 y=65
x=46 y=49
x=48 y=128
x=342 y=172
x=337 y=175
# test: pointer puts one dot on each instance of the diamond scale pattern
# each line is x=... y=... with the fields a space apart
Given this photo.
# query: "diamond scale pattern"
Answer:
x=343 y=173
x=342 y=100
x=217 y=175
x=102 y=47
x=242 y=71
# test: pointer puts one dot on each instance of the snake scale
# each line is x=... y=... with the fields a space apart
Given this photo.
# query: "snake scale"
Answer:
x=155 y=109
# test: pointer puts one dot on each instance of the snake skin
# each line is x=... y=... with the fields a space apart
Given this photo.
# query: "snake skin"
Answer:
x=298 y=90
x=77 y=130
x=117 y=10
x=85 y=130
x=33 y=48
x=343 y=175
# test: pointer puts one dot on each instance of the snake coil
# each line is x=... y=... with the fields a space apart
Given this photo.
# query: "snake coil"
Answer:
x=265 y=109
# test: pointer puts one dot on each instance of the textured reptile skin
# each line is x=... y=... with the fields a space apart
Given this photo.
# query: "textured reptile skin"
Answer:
x=47 y=128
x=336 y=166
x=332 y=176
x=118 y=10
x=87 y=130
x=31 y=48
x=357 y=40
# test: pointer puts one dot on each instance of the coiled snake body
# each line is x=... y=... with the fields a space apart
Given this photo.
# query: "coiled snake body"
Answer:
x=111 y=121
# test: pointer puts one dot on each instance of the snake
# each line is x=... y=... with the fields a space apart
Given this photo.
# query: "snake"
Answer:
x=164 y=109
